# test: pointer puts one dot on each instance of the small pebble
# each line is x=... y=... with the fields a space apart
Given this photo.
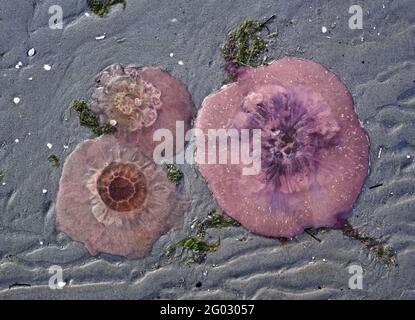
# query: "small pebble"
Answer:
x=44 y=191
x=380 y=153
x=47 y=67
x=87 y=14
x=323 y=29
x=180 y=62
x=408 y=157
x=113 y=122
x=49 y=145
x=30 y=78
x=173 y=20
x=31 y=52
x=17 y=140
x=171 y=54
x=61 y=284
x=65 y=146
x=16 y=100
x=100 y=37
x=18 y=65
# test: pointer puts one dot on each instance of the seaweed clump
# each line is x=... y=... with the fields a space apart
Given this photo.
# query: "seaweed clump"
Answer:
x=54 y=160
x=216 y=220
x=382 y=251
x=197 y=245
x=102 y=7
x=88 y=119
x=174 y=174
x=244 y=46
x=170 y=249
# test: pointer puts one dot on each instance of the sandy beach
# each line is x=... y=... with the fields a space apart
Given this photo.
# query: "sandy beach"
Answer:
x=377 y=64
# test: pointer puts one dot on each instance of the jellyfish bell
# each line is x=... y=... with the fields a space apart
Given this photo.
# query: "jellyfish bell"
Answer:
x=116 y=200
x=314 y=153
x=140 y=101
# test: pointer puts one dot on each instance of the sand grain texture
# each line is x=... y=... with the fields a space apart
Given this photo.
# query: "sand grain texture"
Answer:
x=379 y=71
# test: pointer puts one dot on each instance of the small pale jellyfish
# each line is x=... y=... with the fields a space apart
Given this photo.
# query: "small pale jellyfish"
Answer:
x=116 y=200
x=140 y=101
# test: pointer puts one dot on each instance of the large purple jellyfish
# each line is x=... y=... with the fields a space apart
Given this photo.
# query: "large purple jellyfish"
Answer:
x=139 y=101
x=116 y=200
x=314 y=153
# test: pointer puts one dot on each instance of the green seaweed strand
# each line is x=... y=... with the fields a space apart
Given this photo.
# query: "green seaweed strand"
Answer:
x=102 y=7
x=88 y=119
x=244 y=45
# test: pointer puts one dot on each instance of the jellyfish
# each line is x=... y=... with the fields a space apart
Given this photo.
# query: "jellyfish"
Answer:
x=116 y=200
x=139 y=101
x=313 y=152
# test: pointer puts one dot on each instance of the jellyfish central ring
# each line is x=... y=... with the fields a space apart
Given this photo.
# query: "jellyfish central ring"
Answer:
x=123 y=187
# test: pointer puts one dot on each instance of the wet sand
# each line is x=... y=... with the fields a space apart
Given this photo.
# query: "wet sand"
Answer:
x=376 y=63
